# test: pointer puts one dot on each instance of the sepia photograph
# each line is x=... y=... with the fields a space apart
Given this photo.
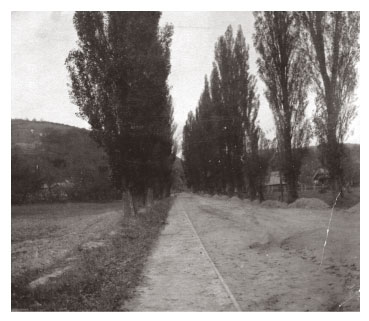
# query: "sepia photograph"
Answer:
x=185 y=161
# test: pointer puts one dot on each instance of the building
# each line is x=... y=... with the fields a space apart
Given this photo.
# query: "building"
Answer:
x=57 y=190
x=274 y=182
x=321 y=177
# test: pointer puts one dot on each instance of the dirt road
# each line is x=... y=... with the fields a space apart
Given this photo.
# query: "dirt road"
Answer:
x=229 y=255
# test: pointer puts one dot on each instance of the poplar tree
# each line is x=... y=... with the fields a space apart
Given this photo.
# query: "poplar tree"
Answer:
x=248 y=106
x=333 y=50
x=118 y=79
x=285 y=72
x=225 y=61
x=220 y=142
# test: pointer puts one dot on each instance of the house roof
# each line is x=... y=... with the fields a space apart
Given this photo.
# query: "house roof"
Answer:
x=320 y=172
x=274 y=179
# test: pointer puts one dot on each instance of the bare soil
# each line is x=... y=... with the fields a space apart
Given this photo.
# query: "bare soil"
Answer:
x=178 y=276
x=80 y=257
x=270 y=259
x=43 y=234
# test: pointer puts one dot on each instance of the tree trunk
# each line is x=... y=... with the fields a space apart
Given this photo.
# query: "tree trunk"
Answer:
x=252 y=189
x=24 y=197
x=261 y=193
x=289 y=169
x=292 y=194
x=149 y=198
x=333 y=158
x=128 y=206
x=281 y=186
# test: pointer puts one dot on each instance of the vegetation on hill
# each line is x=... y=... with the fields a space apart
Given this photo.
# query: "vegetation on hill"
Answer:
x=52 y=161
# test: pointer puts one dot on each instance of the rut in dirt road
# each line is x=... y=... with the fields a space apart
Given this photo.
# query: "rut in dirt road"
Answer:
x=179 y=275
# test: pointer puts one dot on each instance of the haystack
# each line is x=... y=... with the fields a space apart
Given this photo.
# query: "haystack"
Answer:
x=309 y=203
x=273 y=204
x=354 y=209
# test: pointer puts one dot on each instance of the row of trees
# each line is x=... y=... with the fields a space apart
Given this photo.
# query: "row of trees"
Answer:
x=119 y=82
x=221 y=140
x=223 y=145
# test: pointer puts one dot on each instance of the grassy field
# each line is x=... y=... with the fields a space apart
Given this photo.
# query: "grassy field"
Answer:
x=79 y=256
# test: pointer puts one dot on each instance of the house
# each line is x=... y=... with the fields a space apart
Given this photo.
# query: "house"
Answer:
x=56 y=190
x=274 y=182
x=321 y=177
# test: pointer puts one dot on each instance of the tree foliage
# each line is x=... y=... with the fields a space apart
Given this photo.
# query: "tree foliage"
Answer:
x=220 y=141
x=118 y=80
x=285 y=72
x=26 y=178
x=332 y=46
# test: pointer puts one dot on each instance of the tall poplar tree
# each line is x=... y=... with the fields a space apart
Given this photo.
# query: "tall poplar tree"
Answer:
x=285 y=72
x=221 y=140
x=248 y=106
x=232 y=121
x=333 y=50
x=119 y=82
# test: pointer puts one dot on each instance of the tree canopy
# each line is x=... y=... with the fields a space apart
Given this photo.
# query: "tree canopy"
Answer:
x=332 y=47
x=285 y=72
x=119 y=82
x=220 y=142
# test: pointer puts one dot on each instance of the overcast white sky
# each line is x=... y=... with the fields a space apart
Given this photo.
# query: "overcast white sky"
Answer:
x=41 y=42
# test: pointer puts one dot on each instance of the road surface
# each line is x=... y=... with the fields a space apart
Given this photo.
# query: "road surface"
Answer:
x=232 y=255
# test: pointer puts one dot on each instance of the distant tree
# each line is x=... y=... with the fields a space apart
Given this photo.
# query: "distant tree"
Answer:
x=205 y=143
x=26 y=178
x=248 y=105
x=351 y=165
x=191 y=159
x=119 y=81
x=218 y=119
x=220 y=141
x=333 y=50
x=54 y=155
x=226 y=63
x=285 y=72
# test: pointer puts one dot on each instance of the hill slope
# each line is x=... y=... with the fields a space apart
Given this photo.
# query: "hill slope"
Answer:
x=54 y=153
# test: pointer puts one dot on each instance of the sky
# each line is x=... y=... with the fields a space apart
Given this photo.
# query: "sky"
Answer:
x=41 y=42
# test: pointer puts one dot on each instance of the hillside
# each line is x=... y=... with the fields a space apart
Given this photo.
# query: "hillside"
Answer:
x=50 y=155
x=53 y=154
x=57 y=140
